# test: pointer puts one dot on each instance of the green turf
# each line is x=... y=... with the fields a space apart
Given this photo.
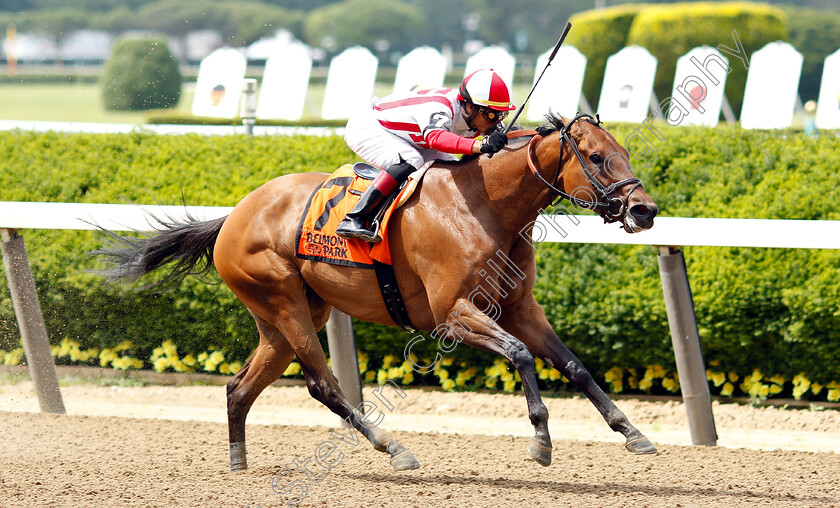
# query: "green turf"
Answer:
x=67 y=103
x=82 y=103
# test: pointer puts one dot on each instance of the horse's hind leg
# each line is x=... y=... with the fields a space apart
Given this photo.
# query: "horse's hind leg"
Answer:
x=266 y=364
x=294 y=320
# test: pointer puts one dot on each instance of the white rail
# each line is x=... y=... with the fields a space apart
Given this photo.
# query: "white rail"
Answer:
x=668 y=233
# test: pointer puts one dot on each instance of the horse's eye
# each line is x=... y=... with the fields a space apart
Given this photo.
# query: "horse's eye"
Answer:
x=595 y=158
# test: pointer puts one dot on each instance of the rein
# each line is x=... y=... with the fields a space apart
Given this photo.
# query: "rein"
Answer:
x=609 y=208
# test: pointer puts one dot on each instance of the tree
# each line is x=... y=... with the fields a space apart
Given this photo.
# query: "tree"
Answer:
x=140 y=74
x=364 y=22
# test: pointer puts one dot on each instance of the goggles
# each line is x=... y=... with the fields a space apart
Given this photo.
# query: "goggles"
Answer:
x=493 y=115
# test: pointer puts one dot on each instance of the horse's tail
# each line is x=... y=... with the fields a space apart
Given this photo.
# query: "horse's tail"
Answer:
x=188 y=243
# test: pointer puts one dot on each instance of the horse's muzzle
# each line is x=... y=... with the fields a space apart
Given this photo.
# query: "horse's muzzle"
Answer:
x=639 y=216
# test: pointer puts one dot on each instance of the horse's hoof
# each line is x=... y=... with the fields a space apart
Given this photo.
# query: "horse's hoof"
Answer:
x=540 y=453
x=404 y=461
x=640 y=446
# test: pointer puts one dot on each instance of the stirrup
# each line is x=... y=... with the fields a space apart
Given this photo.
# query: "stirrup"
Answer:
x=358 y=232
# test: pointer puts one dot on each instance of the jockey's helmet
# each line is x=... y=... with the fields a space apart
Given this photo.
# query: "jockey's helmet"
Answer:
x=486 y=89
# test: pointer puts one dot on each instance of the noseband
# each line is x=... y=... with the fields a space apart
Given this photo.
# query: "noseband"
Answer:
x=609 y=207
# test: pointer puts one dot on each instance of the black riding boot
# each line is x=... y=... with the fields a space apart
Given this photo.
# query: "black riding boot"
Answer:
x=356 y=222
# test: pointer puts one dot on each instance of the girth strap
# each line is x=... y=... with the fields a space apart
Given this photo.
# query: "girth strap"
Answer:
x=392 y=296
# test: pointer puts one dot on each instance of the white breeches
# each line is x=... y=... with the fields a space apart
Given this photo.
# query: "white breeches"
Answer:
x=382 y=148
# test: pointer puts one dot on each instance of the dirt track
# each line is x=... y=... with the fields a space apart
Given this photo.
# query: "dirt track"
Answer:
x=77 y=460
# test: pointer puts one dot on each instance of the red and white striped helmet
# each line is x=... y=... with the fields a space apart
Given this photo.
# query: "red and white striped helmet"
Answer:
x=486 y=88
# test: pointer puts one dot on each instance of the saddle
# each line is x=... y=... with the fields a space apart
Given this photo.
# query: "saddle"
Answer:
x=329 y=203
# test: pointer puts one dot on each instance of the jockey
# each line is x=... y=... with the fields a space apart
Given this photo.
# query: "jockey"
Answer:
x=401 y=132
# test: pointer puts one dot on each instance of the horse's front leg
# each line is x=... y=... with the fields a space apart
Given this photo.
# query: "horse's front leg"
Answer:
x=526 y=320
x=466 y=324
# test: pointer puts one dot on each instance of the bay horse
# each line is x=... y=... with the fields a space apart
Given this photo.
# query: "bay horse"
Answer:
x=462 y=214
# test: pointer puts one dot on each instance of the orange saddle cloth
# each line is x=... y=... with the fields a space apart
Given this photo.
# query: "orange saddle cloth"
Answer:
x=327 y=206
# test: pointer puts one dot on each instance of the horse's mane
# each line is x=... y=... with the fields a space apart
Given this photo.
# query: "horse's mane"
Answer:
x=554 y=122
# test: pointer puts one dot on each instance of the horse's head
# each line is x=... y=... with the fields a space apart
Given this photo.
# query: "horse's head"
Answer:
x=595 y=172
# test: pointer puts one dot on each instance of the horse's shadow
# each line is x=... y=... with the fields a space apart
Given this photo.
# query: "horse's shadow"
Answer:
x=579 y=488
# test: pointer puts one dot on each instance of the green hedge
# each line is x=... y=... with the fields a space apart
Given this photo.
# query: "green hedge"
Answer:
x=140 y=74
x=773 y=310
x=670 y=31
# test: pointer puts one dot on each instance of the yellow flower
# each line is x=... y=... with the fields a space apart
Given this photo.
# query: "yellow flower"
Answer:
x=777 y=379
x=727 y=389
x=64 y=347
x=645 y=384
x=169 y=348
x=465 y=375
x=554 y=375
x=442 y=374
x=615 y=377
x=235 y=366
x=122 y=346
x=671 y=384
x=718 y=378
x=190 y=361
x=13 y=357
x=633 y=382
x=448 y=384
x=106 y=357
x=202 y=357
x=126 y=362
x=510 y=385
x=732 y=377
x=816 y=388
x=539 y=364
x=224 y=368
x=774 y=389
x=833 y=394
x=447 y=361
x=180 y=366
x=490 y=382
x=800 y=385
x=408 y=377
x=159 y=364
x=363 y=361
x=388 y=360
x=654 y=372
x=369 y=376
x=292 y=369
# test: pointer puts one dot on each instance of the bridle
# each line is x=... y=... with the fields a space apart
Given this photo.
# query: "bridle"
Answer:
x=609 y=208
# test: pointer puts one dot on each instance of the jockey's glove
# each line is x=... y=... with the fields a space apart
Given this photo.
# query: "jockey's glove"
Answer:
x=494 y=142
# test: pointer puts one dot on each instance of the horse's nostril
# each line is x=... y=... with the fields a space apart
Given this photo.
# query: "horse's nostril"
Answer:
x=642 y=212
